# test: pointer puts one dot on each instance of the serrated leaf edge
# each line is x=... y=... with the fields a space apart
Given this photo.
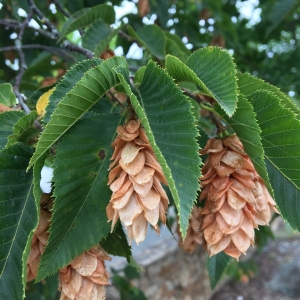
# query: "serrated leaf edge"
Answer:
x=296 y=120
x=38 y=279
x=268 y=184
x=283 y=95
x=31 y=163
x=61 y=80
x=166 y=169
x=234 y=69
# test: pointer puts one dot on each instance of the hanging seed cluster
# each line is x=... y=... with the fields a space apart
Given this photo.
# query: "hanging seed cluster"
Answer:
x=237 y=200
x=143 y=7
x=39 y=241
x=85 y=277
x=135 y=180
x=194 y=237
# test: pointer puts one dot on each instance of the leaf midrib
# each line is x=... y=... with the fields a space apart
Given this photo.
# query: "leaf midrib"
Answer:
x=279 y=170
x=18 y=226
x=83 y=204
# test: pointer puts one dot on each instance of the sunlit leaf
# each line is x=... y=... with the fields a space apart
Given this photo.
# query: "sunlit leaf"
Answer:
x=87 y=16
x=7 y=96
x=152 y=38
x=87 y=91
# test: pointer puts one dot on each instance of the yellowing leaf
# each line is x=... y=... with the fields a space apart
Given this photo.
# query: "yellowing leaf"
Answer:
x=4 y=108
x=43 y=102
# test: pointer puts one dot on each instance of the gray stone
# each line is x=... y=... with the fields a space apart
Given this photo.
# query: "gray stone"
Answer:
x=287 y=279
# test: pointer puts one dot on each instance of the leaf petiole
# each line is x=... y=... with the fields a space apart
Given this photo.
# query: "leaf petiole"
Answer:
x=207 y=107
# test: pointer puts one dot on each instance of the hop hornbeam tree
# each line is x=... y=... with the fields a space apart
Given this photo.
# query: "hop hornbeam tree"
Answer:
x=185 y=125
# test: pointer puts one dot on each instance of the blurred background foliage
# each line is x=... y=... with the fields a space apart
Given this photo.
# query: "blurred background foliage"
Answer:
x=263 y=36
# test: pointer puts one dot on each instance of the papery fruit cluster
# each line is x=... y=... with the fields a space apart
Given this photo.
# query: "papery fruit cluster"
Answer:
x=194 y=237
x=38 y=243
x=135 y=179
x=85 y=277
x=237 y=200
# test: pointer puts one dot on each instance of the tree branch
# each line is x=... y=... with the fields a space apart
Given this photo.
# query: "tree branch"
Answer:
x=213 y=115
x=54 y=50
x=61 y=9
x=116 y=99
x=76 y=48
x=67 y=14
x=217 y=122
x=68 y=45
x=22 y=62
x=192 y=95
x=43 y=19
x=127 y=37
x=15 y=24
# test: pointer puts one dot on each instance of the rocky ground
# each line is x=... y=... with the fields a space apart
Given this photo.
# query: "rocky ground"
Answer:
x=278 y=276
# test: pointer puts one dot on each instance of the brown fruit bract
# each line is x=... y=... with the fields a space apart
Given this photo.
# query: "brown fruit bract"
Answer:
x=237 y=200
x=85 y=277
x=38 y=244
x=135 y=180
x=194 y=236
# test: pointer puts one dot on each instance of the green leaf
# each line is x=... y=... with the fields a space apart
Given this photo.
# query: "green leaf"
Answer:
x=262 y=236
x=81 y=192
x=75 y=16
x=67 y=83
x=7 y=96
x=138 y=77
x=18 y=218
x=105 y=106
x=281 y=142
x=161 y=9
x=95 y=33
x=98 y=36
x=176 y=47
x=21 y=126
x=116 y=243
x=216 y=267
x=182 y=73
x=216 y=69
x=37 y=192
x=210 y=77
x=131 y=272
x=87 y=91
x=45 y=290
x=170 y=126
x=7 y=120
x=152 y=38
x=105 y=42
x=244 y=124
x=134 y=264
x=87 y=16
x=248 y=84
x=279 y=11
